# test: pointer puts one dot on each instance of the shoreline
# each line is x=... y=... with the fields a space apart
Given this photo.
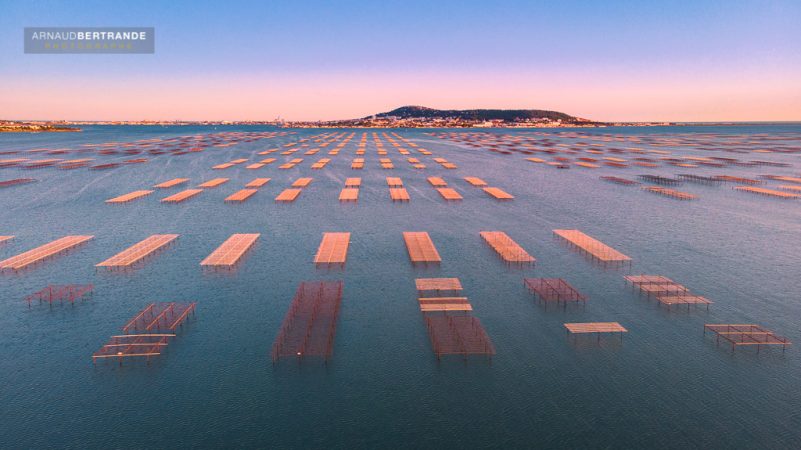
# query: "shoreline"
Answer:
x=37 y=129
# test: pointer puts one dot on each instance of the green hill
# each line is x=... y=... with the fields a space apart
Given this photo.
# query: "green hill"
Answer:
x=507 y=115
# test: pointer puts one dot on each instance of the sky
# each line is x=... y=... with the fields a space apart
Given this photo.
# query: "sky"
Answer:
x=321 y=60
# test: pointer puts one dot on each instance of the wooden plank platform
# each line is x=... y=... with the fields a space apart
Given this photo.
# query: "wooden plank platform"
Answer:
x=76 y=163
x=43 y=252
x=663 y=289
x=768 y=192
x=398 y=194
x=349 y=195
x=420 y=247
x=240 y=196
x=619 y=180
x=4 y=239
x=138 y=252
x=213 y=183
x=257 y=182
x=438 y=284
x=131 y=196
x=394 y=182
x=595 y=327
x=444 y=307
x=171 y=183
x=37 y=164
x=230 y=252
x=637 y=280
x=733 y=179
x=437 y=182
x=506 y=247
x=688 y=300
x=672 y=193
x=443 y=300
x=353 y=182
x=15 y=181
x=474 y=181
x=784 y=178
x=592 y=247
x=12 y=162
x=288 y=195
x=321 y=163
x=302 y=182
x=182 y=196
x=449 y=194
x=333 y=250
x=498 y=194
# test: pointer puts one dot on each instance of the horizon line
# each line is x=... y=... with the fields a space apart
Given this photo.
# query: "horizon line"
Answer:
x=240 y=121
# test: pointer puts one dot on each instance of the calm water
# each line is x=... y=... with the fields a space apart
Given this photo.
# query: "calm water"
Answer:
x=664 y=386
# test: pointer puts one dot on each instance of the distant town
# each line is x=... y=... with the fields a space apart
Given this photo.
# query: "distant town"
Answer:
x=423 y=117
x=438 y=122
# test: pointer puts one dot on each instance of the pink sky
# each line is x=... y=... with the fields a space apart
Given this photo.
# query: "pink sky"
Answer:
x=628 y=97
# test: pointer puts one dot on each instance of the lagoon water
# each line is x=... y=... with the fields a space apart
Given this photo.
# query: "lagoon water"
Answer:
x=665 y=385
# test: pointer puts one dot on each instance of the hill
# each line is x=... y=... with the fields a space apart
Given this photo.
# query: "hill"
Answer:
x=423 y=117
x=506 y=115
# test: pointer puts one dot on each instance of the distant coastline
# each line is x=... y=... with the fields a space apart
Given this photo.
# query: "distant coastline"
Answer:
x=383 y=120
x=11 y=126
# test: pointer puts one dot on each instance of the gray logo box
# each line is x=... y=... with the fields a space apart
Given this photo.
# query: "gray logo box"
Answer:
x=90 y=40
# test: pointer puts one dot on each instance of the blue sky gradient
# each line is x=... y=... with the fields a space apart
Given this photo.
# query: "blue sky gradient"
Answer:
x=555 y=45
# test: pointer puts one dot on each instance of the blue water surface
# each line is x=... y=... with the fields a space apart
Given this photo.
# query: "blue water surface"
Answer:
x=666 y=385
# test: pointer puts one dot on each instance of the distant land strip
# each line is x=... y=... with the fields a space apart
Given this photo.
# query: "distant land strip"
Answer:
x=34 y=127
